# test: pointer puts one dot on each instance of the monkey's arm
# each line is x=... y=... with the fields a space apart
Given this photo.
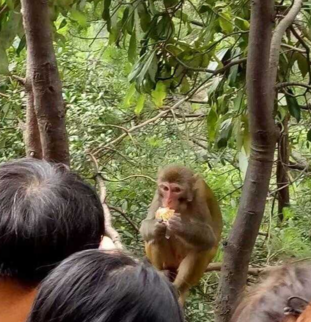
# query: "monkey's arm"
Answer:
x=198 y=234
x=150 y=227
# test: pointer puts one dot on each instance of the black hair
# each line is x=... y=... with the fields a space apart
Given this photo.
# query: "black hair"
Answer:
x=46 y=214
x=105 y=286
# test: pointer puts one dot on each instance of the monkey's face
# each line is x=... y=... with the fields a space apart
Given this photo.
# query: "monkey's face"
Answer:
x=173 y=196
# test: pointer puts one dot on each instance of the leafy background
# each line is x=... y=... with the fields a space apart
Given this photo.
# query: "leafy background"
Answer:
x=121 y=64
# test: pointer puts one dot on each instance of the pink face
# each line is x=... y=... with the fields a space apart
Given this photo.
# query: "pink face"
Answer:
x=172 y=195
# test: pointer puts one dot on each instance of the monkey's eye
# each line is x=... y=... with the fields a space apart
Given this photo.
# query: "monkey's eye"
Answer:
x=165 y=188
x=177 y=189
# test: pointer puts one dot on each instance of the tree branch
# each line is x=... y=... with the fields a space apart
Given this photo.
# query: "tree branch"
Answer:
x=276 y=42
x=306 y=47
x=109 y=230
x=288 y=84
x=206 y=70
x=4 y=95
x=216 y=267
x=123 y=214
x=95 y=152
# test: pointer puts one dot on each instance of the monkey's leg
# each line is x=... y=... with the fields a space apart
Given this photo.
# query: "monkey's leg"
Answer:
x=191 y=270
x=159 y=254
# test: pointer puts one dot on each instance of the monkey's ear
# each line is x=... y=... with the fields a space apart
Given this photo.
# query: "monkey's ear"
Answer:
x=193 y=188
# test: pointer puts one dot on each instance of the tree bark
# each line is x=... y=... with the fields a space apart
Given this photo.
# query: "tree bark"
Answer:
x=239 y=246
x=262 y=65
x=282 y=170
x=44 y=79
x=32 y=134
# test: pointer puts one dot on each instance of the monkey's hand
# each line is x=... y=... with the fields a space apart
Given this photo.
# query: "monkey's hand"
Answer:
x=159 y=229
x=152 y=229
x=196 y=233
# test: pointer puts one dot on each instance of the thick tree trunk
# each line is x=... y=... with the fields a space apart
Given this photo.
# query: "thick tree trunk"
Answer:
x=239 y=246
x=32 y=134
x=282 y=170
x=44 y=79
x=262 y=65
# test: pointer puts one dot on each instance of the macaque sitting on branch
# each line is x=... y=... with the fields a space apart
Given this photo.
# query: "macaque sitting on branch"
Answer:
x=183 y=227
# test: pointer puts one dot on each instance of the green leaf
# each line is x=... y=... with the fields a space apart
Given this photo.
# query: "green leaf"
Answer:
x=159 y=94
x=293 y=106
x=144 y=16
x=79 y=17
x=10 y=4
x=4 y=63
x=212 y=119
x=129 y=95
x=232 y=76
x=242 y=23
x=145 y=68
x=62 y=24
x=132 y=51
x=238 y=101
x=225 y=23
x=170 y=3
x=21 y=45
x=9 y=29
x=205 y=8
x=140 y=104
x=137 y=68
x=164 y=27
x=225 y=133
x=185 y=85
x=243 y=162
x=309 y=135
x=302 y=65
x=106 y=14
x=182 y=16
x=152 y=71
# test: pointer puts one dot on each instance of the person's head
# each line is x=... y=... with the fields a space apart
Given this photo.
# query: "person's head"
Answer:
x=98 y=286
x=46 y=214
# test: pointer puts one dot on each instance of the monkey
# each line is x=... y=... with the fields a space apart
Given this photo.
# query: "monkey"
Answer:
x=186 y=244
x=281 y=297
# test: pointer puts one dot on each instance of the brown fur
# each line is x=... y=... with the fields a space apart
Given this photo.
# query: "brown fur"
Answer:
x=266 y=302
x=188 y=255
x=305 y=315
x=177 y=174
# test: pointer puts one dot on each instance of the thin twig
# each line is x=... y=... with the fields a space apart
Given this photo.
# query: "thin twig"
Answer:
x=152 y=120
x=4 y=95
x=288 y=84
x=109 y=230
x=123 y=214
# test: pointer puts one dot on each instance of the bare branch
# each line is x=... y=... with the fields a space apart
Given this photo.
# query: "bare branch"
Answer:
x=152 y=120
x=20 y=80
x=4 y=95
x=276 y=41
x=123 y=214
x=288 y=84
x=294 y=48
x=216 y=267
x=206 y=70
x=109 y=230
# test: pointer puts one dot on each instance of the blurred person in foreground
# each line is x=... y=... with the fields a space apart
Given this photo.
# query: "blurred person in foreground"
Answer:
x=47 y=213
x=105 y=286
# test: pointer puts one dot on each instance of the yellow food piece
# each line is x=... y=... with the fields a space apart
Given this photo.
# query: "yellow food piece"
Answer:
x=164 y=213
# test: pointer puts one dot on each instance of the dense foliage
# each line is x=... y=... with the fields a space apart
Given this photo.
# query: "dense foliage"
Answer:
x=121 y=64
